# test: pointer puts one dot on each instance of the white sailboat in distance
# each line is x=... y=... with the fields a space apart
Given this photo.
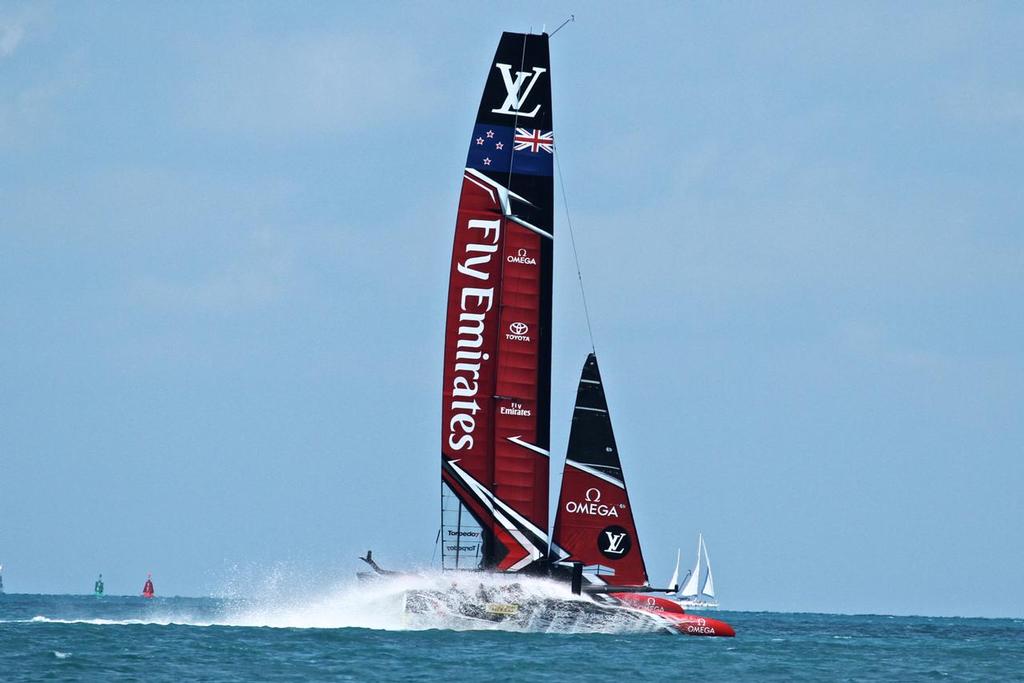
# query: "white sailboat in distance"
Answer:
x=695 y=593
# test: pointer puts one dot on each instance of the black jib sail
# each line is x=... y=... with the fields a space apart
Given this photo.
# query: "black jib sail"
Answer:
x=594 y=522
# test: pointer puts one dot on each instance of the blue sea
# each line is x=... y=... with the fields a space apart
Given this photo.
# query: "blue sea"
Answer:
x=57 y=637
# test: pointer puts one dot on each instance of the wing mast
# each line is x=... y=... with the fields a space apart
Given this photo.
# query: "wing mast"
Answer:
x=495 y=413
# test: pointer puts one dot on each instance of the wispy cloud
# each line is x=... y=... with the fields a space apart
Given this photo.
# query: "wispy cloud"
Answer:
x=11 y=34
x=27 y=112
x=29 y=108
x=304 y=85
x=249 y=282
x=18 y=21
x=874 y=340
x=991 y=105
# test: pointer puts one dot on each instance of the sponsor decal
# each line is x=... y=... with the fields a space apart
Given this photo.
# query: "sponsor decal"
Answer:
x=474 y=302
x=700 y=627
x=523 y=257
x=501 y=608
x=462 y=548
x=452 y=532
x=517 y=89
x=592 y=505
x=516 y=409
x=614 y=542
x=518 y=331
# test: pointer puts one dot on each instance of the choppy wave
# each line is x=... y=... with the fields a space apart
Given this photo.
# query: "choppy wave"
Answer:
x=135 y=639
x=154 y=621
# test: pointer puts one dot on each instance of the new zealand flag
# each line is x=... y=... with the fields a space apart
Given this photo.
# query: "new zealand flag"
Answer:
x=502 y=148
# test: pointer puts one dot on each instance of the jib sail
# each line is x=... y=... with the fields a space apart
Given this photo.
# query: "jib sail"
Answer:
x=497 y=363
x=594 y=522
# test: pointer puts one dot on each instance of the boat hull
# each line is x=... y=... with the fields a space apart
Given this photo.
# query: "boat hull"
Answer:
x=649 y=603
x=697 y=625
x=675 y=612
x=505 y=610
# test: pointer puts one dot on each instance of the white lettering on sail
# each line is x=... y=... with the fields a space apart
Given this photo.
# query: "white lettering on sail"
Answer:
x=486 y=249
x=522 y=257
x=513 y=100
x=517 y=332
x=594 y=509
x=474 y=303
x=516 y=409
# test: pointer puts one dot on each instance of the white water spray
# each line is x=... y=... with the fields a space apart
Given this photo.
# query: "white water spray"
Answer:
x=285 y=598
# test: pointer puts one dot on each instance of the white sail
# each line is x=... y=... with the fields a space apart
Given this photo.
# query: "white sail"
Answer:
x=709 y=583
x=691 y=588
x=673 y=583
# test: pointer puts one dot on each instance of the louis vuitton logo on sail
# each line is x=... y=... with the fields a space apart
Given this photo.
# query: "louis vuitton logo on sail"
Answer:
x=614 y=542
x=615 y=545
x=513 y=104
x=474 y=304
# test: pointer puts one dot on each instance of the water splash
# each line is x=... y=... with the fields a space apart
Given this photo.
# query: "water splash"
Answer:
x=285 y=597
x=424 y=600
x=380 y=603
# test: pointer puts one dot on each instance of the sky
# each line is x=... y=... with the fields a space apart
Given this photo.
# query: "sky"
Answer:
x=225 y=233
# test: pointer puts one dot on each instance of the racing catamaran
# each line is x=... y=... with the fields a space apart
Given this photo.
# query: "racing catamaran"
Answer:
x=496 y=395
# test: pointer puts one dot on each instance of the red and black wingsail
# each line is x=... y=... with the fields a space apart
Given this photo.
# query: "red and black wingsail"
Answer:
x=594 y=522
x=495 y=412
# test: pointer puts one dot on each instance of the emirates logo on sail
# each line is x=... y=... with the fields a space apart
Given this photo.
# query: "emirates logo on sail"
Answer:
x=516 y=409
x=474 y=305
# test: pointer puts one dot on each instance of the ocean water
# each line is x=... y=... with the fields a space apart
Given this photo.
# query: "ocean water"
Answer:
x=356 y=633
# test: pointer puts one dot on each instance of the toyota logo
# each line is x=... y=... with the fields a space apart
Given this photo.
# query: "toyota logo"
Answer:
x=518 y=328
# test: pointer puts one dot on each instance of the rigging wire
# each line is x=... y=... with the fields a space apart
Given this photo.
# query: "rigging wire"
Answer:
x=575 y=254
x=572 y=17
